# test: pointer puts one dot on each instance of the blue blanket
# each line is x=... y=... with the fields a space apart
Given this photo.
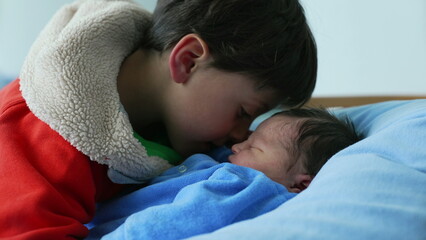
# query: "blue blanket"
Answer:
x=371 y=190
x=374 y=189
x=199 y=196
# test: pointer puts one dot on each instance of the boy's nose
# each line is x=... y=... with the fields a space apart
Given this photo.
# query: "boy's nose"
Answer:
x=235 y=148
x=236 y=135
x=239 y=133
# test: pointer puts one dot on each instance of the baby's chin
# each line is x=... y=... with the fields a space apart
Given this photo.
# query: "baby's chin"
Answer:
x=231 y=158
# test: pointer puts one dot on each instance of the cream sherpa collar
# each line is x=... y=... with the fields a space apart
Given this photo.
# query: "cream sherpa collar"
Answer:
x=69 y=81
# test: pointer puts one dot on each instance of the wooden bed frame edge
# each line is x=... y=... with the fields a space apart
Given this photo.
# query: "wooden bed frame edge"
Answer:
x=355 y=100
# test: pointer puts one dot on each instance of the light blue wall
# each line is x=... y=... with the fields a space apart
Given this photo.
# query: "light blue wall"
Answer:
x=365 y=46
x=369 y=46
x=20 y=23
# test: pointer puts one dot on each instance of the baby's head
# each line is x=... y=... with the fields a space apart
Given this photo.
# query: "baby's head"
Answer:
x=293 y=145
x=268 y=41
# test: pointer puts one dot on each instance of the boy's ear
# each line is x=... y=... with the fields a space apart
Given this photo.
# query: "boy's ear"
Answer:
x=185 y=56
x=301 y=182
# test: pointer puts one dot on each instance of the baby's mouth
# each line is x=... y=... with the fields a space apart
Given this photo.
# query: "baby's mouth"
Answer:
x=230 y=157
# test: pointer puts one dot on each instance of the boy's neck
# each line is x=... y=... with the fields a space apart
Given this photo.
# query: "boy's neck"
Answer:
x=141 y=85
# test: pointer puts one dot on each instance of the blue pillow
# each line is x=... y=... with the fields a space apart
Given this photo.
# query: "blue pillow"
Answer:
x=374 y=189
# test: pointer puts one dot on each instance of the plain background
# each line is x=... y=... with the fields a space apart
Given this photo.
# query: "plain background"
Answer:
x=365 y=47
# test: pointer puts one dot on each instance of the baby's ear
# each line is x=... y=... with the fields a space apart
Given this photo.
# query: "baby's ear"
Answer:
x=301 y=182
x=185 y=55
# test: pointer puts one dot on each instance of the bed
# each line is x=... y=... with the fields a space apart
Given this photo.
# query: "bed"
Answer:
x=371 y=190
x=374 y=189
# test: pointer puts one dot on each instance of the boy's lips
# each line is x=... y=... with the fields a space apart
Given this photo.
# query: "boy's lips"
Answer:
x=212 y=146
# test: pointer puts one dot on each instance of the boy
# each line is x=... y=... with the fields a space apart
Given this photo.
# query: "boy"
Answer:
x=201 y=195
x=192 y=76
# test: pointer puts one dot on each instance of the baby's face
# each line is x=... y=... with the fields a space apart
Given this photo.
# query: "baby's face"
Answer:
x=269 y=149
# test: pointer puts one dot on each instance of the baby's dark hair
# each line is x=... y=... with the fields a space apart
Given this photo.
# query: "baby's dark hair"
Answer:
x=320 y=136
x=269 y=41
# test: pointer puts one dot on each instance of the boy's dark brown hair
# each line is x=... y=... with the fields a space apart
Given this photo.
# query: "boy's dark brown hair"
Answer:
x=320 y=136
x=268 y=40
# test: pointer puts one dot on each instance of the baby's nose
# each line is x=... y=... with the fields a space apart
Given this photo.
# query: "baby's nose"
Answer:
x=235 y=148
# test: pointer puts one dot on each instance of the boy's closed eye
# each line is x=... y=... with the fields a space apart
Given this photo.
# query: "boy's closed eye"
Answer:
x=243 y=113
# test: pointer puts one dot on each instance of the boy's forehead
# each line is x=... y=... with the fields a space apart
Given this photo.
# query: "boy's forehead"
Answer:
x=270 y=98
x=264 y=99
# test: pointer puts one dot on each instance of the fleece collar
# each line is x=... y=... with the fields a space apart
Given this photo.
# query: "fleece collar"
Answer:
x=69 y=81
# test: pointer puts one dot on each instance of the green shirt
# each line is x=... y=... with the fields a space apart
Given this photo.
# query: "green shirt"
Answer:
x=159 y=150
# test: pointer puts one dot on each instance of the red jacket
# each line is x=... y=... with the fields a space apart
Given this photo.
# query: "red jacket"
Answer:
x=48 y=189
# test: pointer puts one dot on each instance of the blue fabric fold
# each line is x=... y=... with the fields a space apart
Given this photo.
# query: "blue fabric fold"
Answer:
x=198 y=196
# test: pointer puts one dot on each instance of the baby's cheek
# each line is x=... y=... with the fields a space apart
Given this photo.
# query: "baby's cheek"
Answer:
x=245 y=160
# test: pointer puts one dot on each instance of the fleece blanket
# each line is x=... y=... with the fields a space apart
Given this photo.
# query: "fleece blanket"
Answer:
x=198 y=196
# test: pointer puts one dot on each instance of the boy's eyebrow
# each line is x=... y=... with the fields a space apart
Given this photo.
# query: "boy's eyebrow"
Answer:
x=264 y=106
x=261 y=108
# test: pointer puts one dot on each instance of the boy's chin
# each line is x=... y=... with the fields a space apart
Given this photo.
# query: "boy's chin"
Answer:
x=201 y=148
